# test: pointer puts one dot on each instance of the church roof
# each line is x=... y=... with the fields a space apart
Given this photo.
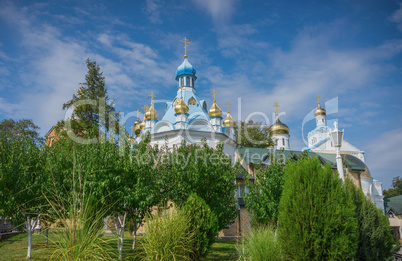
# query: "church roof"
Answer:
x=394 y=204
x=195 y=111
x=185 y=68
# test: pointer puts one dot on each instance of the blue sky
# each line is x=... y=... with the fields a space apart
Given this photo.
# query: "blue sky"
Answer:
x=256 y=51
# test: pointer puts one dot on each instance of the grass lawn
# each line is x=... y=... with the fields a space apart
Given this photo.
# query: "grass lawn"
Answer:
x=15 y=248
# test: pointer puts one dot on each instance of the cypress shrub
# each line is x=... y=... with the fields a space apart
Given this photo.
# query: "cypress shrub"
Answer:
x=375 y=239
x=317 y=220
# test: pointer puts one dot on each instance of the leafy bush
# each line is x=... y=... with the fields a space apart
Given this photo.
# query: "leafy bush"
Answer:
x=260 y=244
x=265 y=193
x=167 y=238
x=203 y=224
x=375 y=239
x=317 y=220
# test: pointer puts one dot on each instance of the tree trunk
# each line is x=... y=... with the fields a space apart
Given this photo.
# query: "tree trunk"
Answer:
x=46 y=235
x=135 y=232
x=120 y=222
x=29 y=230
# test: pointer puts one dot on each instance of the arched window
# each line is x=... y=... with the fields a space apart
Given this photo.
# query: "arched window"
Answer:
x=175 y=102
x=204 y=105
x=192 y=101
x=192 y=82
x=283 y=142
x=187 y=81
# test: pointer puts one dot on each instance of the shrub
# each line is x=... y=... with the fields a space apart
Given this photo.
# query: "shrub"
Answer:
x=317 y=220
x=167 y=238
x=203 y=224
x=375 y=239
x=260 y=244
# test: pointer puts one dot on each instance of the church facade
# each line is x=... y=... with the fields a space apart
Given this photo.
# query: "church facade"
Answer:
x=188 y=118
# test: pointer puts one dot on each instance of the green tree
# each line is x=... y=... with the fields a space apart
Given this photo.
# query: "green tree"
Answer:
x=203 y=224
x=18 y=129
x=253 y=134
x=92 y=108
x=21 y=180
x=396 y=188
x=317 y=219
x=202 y=170
x=265 y=193
x=375 y=239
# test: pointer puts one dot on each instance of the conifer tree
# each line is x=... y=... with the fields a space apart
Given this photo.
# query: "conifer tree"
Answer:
x=92 y=108
x=317 y=219
x=375 y=239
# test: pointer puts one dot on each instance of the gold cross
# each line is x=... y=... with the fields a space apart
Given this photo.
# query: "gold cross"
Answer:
x=185 y=46
x=276 y=105
x=214 y=92
x=152 y=97
x=132 y=130
x=145 y=108
x=228 y=104
x=138 y=113
x=318 y=98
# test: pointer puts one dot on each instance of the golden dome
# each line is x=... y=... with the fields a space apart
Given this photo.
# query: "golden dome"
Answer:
x=320 y=111
x=142 y=124
x=229 y=121
x=215 y=111
x=151 y=113
x=137 y=127
x=279 y=128
x=181 y=107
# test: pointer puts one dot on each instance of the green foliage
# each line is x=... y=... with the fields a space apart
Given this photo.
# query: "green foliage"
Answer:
x=87 y=118
x=82 y=226
x=253 y=134
x=203 y=223
x=20 y=179
x=317 y=220
x=168 y=237
x=265 y=193
x=18 y=129
x=396 y=188
x=202 y=170
x=261 y=244
x=375 y=240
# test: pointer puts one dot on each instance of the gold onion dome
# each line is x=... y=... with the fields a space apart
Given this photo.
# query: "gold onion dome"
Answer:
x=279 y=128
x=142 y=124
x=229 y=121
x=215 y=111
x=320 y=111
x=181 y=107
x=151 y=113
x=137 y=127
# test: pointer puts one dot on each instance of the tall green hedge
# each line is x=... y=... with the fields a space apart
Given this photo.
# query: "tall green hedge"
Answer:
x=375 y=238
x=316 y=217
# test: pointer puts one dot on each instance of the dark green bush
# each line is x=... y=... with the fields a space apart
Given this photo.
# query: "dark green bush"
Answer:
x=317 y=220
x=203 y=223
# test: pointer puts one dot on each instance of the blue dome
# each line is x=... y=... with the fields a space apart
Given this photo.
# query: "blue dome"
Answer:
x=185 y=69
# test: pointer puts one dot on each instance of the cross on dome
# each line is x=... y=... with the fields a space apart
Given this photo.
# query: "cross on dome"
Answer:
x=318 y=98
x=185 y=46
x=214 y=93
x=145 y=108
x=152 y=97
x=228 y=104
x=276 y=105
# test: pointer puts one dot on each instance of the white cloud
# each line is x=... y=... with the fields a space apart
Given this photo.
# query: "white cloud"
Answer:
x=396 y=17
x=385 y=156
x=153 y=10
x=219 y=10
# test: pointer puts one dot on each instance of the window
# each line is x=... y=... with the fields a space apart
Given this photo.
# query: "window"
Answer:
x=283 y=142
x=192 y=82
x=204 y=105
x=175 y=102
x=192 y=101
x=187 y=81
